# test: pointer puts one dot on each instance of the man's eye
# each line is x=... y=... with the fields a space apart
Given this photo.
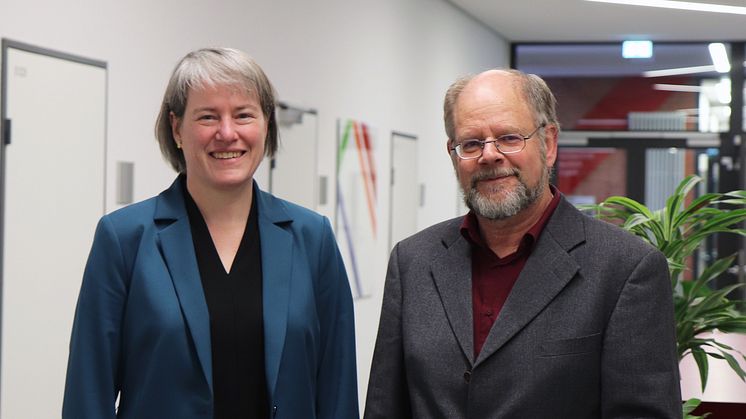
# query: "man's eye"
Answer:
x=471 y=145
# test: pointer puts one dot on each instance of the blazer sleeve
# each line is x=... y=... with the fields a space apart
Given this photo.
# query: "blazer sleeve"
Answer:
x=388 y=394
x=337 y=371
x=91 y=384
x=639 y=362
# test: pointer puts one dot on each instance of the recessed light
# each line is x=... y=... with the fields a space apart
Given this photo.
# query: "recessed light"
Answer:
x=637 y=49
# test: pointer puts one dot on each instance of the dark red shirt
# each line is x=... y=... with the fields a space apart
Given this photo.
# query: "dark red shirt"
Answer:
x=492 y=277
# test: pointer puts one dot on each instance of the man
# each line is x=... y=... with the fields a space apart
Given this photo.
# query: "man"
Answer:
x=524 y=308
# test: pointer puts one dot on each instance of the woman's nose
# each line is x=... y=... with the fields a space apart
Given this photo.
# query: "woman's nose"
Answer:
x=227 y=130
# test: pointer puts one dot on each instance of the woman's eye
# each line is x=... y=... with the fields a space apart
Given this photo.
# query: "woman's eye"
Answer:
x=245 y=115
x=206 y=117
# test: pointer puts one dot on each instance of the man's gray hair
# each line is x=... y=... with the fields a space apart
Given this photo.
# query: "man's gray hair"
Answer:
x=535 y=90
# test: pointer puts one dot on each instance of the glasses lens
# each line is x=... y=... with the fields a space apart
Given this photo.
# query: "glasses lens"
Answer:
x=510 y=143
x=470 y=148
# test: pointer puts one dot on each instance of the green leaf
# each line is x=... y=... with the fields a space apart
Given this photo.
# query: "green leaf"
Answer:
x=734 y=365
x=715 y=269
x=629 y=204
x=690 y=405
x=687 y=184
x=732 y=326
x=696 y=206
x=721 y=345
x=725 y=219
x=701 y=359
x=634 y=207
x=716 y=299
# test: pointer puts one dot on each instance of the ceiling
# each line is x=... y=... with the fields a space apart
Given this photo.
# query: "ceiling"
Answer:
x=605 y=59
x=583 y=21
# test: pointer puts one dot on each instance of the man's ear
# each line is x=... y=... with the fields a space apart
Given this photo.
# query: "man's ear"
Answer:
x=550 y=141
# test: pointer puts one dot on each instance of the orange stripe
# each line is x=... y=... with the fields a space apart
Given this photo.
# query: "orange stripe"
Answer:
x=369 y=153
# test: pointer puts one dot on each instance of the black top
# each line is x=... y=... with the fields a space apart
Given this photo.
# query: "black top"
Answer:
x=234 y=301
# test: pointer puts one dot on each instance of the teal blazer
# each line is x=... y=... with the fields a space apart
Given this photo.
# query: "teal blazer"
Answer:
x=142 y=328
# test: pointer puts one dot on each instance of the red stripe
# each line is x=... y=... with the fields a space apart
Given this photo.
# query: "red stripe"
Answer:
x=369 y=153
x=366 y=179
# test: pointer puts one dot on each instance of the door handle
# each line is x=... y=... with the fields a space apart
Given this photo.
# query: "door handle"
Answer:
x=6 y=131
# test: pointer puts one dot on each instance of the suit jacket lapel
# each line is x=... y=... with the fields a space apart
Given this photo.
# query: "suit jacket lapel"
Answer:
x=177 y=249
x=547 y=272
x=451 y=272
x=277 y=256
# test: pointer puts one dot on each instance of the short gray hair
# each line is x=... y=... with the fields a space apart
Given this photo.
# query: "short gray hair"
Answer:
x=213 y=67
x=535 y=90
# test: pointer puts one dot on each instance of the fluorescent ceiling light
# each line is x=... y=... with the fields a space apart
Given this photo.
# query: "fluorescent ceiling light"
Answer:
x=680 y=5
x=719 y=57
x=679 y=71
x=677 y=88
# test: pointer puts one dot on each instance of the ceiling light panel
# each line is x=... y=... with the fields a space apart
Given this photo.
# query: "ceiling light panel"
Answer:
x=680 y=5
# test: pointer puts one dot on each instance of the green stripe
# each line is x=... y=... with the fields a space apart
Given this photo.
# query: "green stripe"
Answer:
x=343 y=144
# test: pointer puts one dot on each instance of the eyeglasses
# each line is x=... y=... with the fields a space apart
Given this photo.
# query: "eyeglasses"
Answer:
x=505 y=144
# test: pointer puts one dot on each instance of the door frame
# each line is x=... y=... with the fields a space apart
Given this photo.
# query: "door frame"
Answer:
x=6 y=131
x=392 y=179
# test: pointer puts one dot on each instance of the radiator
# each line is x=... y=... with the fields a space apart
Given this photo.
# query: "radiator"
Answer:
x=656 y=121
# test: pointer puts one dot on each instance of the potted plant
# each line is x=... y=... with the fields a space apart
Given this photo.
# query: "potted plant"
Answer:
x=678 y=230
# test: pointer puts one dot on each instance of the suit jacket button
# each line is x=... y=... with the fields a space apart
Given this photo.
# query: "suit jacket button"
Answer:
x=467 y=376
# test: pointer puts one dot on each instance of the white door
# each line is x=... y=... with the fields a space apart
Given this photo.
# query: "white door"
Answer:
x=405 y=190
x=53 y=174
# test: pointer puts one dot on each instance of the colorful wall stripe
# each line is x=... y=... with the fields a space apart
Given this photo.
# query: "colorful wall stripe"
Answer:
x=355 y=156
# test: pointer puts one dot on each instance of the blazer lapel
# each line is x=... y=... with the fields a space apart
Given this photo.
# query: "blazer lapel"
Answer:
x=451 y=272
x=177 y=248
x=277 y=256
x=547 y=272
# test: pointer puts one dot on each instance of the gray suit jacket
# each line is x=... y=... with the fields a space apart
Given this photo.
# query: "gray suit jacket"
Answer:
x=587 y=331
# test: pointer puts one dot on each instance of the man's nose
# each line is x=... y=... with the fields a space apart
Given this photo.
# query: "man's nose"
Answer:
x=490 y=152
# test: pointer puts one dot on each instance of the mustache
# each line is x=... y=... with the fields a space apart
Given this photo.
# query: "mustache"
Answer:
x=493 y=173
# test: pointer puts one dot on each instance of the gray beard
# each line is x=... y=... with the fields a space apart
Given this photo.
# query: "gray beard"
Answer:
x=514 y=201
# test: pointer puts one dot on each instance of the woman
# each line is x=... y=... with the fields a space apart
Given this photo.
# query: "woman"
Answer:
x=214 y=299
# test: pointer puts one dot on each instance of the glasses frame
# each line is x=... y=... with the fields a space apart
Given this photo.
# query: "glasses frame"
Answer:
x=495 y=141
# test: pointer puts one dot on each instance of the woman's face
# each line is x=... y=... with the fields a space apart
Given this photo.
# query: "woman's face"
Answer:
x=222 y=135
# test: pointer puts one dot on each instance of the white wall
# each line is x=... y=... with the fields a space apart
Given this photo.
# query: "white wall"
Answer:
x=385 y=62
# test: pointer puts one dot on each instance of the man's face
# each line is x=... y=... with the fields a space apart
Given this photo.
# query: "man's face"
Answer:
x=498 y=186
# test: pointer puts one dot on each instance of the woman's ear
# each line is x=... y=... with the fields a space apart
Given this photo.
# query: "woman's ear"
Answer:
x=175 y=128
